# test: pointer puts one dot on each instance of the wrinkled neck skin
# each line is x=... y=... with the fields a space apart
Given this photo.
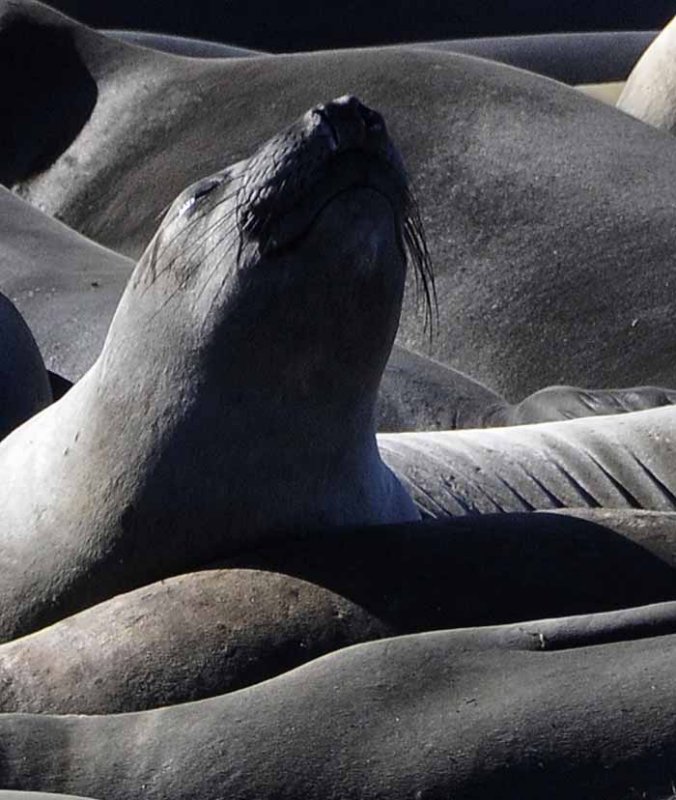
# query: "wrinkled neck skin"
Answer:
x=156 y=462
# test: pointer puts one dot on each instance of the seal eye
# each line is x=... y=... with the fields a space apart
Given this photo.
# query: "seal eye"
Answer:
x=203 y=190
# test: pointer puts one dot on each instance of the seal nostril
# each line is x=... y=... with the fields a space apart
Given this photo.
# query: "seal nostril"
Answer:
x=372 y=120
x=351 y=122
x=325 y=118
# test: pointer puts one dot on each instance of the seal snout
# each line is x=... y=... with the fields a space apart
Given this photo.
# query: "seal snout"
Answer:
x=350 y=124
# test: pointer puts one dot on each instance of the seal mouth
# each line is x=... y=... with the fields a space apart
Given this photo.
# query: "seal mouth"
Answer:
x=348 y=172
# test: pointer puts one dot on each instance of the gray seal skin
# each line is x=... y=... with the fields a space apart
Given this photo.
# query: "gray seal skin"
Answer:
x=24 y=383
x=182 y=45
x=650 y=91
x=502 y=161
x=235 y=393
x=529 y=710
x=218 y=630
x=621 y=461
x=573 y=58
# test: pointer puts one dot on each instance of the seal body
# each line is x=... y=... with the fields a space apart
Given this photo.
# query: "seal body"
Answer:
x=502 y=162
x=470 y=725
x=234 y=395
x=268 y=610
x=421 y=394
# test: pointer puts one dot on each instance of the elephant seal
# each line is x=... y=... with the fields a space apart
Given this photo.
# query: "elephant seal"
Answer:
x=502 y=161
x=24 y=383
x=283 y=604
x=235 y=393
x=185 y=638
x=650 y=91
x=526 y=711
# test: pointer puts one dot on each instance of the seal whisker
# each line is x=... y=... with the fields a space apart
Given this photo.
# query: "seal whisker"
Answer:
x=416 y=246
x=415 y=243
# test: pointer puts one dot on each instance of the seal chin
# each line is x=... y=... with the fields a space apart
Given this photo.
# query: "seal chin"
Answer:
x=358 y=226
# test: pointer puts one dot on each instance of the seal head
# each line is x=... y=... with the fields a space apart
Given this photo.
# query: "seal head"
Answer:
x=298 y=254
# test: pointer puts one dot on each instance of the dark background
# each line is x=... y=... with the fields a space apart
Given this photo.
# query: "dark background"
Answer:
x=312 y=24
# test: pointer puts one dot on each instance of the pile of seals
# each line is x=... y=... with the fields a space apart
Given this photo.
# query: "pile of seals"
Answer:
x=207 y=529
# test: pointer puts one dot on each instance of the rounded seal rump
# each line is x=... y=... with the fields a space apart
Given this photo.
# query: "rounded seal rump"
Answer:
x=268 y=302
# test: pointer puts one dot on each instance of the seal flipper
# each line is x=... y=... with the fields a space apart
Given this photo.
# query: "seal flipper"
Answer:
x=556 y=403
x=47 y=93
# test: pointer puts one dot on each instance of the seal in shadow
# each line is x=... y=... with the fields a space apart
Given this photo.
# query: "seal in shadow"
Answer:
x=235 y=393
x=420 y=394
x=285 y=603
